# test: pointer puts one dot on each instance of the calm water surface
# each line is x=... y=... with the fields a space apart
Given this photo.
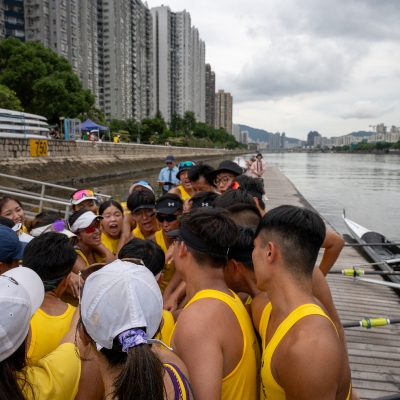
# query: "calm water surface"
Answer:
x=366 y=185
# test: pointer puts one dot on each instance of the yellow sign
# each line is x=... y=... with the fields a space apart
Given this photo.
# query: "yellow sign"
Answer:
x=39 y=148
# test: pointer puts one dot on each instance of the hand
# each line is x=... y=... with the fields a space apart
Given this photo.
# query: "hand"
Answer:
x=169 y=255
x=74 y=282
x=171 y=304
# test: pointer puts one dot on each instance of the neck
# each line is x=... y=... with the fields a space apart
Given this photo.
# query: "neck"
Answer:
x=250 y=284
x=85 y=249
x=287 y=293
x=108 y=374
x=204 y=277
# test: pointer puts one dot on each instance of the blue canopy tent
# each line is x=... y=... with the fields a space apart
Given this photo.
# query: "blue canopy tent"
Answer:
x=89 y=125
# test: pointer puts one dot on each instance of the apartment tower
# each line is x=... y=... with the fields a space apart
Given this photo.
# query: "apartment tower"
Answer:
x=223 y=111
x=210 y=96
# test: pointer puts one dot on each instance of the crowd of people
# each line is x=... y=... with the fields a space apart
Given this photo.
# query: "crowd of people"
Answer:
x=198 y=294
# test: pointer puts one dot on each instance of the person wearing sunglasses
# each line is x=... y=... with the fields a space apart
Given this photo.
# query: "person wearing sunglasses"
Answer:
x=167 y=176
x=83 y=199
x=184 y=190
x=86 y=226
x=55 y=376
x=168 y=209
x=224 y=175
x=132 y=365
x=142 y=207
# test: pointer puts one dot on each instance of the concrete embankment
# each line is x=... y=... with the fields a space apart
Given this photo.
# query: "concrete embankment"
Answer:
x=67 y=160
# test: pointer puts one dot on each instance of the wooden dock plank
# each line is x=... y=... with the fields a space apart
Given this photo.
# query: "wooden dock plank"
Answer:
x=374 y=354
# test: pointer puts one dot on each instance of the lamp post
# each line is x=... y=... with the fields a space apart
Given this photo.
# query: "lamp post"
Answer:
x=61 y=122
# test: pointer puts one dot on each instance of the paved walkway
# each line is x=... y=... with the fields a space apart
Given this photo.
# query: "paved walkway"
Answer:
x=374 y=353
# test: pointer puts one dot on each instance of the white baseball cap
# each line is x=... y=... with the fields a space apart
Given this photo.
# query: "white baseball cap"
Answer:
x=120 y=296
x=21 y=294
x=85 y=218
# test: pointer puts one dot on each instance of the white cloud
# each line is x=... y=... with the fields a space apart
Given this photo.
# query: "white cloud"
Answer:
x=365 y=110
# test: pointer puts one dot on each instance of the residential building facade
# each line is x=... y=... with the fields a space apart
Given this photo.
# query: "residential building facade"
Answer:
x=210 y=100
x=223 y=111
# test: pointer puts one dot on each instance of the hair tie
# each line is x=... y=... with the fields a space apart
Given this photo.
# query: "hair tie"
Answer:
x=132 y=338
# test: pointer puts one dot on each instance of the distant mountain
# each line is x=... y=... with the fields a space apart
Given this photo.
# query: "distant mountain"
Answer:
x=261 y=135
x=360 y=134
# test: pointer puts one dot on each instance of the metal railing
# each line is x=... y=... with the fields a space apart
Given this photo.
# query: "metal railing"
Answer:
x=42 y=197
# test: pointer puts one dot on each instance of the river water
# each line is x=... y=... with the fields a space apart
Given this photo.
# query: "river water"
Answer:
x=366 y=185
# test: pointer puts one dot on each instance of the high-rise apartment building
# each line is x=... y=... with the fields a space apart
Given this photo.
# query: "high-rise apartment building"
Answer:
x=235 y=131
x=210 y=98
x=179 y=64
x=12 y=22
x=274 y=140
x=223 y=111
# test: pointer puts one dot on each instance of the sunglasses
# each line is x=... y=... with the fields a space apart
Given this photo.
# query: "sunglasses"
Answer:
x=90 y=269
x=186 y=164
x=169 y=163
x=91 y=228
x=168 y=218
x=141 y=182
x=80 y=194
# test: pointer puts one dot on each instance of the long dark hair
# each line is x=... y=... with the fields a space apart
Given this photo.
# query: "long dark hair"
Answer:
x=142 y=374
x=5 y=199
x=11 y=386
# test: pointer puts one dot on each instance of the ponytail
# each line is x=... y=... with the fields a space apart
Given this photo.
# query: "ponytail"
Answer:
x=142 y=374
x=13 y=383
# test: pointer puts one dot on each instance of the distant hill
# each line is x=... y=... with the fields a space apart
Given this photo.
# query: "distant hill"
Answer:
x=261 y=135
x=360 y=134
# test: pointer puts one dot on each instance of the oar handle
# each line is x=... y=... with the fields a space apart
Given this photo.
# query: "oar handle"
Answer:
x=371 y=323
x=361 y=272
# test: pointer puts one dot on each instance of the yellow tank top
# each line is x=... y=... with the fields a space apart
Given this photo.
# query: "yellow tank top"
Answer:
x=269 y=387
x=137 y=232
x=243 y=381
x=168 y=269
x=47 y=331
x=184 y=194
x=111 y=244
x=165 y=334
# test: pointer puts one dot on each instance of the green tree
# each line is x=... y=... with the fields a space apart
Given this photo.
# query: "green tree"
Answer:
x=9 y=100
x=189 y=122
x=176 y=124
x=43 y=81
x=151 y=126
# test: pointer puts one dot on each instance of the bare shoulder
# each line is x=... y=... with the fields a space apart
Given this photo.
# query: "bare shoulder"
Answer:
x=168 y=357
x=175 y=191
x=310 y=361
x=257 y=307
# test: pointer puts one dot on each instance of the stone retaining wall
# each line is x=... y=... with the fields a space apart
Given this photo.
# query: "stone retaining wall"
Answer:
x=80 y=160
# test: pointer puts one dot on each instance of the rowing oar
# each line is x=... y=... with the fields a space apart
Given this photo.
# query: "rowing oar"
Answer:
x=372 y=244
x=371 y=323
x=360 y=272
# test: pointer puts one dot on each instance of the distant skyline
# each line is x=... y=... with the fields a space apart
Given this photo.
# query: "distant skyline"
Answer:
x=296 y=67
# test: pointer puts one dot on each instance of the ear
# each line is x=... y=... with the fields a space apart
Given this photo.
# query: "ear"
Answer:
x=272 y=252
x=183 y=251
x=85 y=338
x=65 y=282
x=160 y=279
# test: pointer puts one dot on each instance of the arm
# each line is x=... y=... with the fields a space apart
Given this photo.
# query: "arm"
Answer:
x=172 y=286
x=128 y=226
x=198 y=347
x=171 y=304
x=333 y=245
x=104 y=252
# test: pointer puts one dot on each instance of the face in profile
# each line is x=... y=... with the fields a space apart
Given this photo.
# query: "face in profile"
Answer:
x=201 y=185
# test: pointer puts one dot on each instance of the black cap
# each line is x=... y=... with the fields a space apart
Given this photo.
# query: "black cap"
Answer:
x=203 y=199
x=184 y=165
x=225 y=166
x=168 y=206
x=259 y=154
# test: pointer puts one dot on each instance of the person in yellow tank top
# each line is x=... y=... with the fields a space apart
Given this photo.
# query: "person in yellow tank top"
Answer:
x=184 y=190
x=214 y=335
x=52 y=257
x=168 y=209
x=111 y=225
x=303 y=357
x=142 y=207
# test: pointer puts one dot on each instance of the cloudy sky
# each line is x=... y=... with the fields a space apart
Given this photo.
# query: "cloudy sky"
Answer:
x=299 y=65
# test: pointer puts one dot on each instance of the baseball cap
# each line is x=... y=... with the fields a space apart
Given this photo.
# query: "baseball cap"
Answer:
x=168 y=206
x=225 y=166
x=184 y=165
x=82 y=195
x=120 y=296
x=169 y=158
x=82 y=219
x=145 y=184
x=11 y=248
x=21 y=294
x=203 y=199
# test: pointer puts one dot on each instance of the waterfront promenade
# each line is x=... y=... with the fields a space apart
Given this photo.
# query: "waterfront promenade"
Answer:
x=374 y=353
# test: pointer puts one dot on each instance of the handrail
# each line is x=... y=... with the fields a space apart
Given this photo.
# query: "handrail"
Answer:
x=28 y=196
